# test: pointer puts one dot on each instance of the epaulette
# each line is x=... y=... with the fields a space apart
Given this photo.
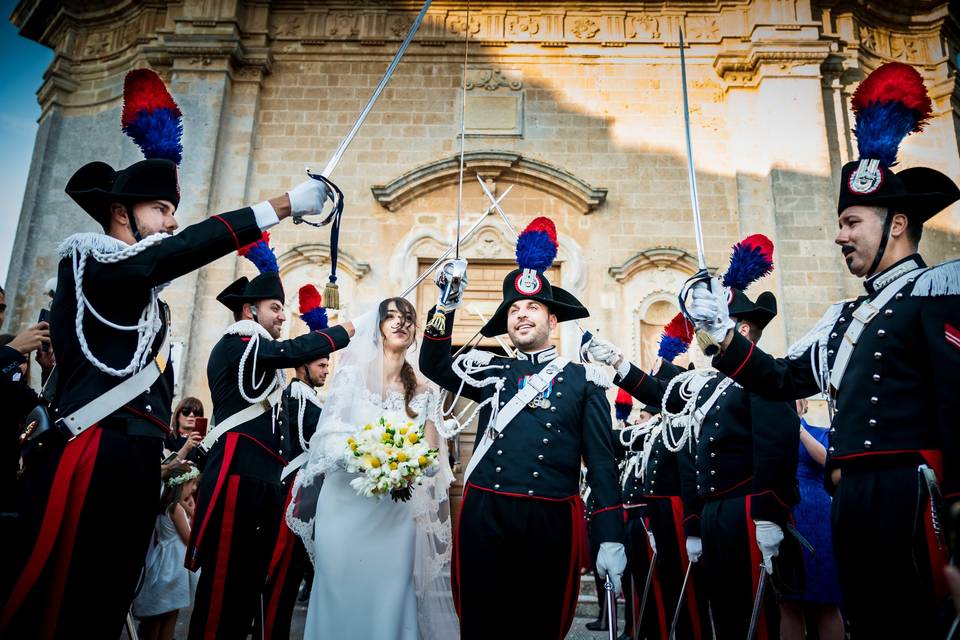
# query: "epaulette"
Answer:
x=941 y=280
x=597 y=375
x=818 y=334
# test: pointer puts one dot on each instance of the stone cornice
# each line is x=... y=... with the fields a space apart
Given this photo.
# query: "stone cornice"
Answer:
x=496 y=165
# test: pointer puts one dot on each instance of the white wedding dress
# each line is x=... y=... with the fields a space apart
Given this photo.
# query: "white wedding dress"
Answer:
x=381 y=568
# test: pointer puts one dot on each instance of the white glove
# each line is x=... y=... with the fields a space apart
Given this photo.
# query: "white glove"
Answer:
x=708 y=309
x=612 y=559
x=308 y=198
x=694 y=549
x=769 y=537
x=603 y=352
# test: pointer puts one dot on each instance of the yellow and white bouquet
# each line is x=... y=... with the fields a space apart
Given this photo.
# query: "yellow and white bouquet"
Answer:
x=391 y=459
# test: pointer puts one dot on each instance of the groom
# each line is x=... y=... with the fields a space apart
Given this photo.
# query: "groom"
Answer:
x=516 y=568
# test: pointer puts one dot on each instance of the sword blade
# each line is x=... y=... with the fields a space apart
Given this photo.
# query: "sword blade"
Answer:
x=757 y=603
x=691 y=173
x=335 y=159
x=450 y=250
x=683 y=591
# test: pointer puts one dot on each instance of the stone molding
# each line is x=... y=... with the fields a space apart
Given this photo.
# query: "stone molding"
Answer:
x=490 y=165
x=659 y=258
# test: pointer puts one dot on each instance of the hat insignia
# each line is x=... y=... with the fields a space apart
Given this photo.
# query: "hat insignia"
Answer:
x=528 y=283
x=867 y=178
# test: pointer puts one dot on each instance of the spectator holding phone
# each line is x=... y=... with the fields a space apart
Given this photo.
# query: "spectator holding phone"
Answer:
x=184 y=437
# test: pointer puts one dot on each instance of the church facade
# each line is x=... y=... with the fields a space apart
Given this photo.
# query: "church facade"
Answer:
x=574 y=106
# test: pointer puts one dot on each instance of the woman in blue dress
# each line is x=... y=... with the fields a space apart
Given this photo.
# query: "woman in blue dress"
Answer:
x=821 y=597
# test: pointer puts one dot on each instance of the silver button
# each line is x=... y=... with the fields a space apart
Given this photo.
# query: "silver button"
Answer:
x=530 y=493
x=499 y=452
x=546 y=441
x=497 y=469
x=881 y=333
x=867 y=444
x=540 y=457
x=496 y=486
x=536 y=474
x=876 y=377
x=888 y=312
x=877 y=355
x=874 y=399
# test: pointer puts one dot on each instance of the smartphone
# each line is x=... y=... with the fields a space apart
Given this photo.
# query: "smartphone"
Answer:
x=44 y=317
x=200 y=426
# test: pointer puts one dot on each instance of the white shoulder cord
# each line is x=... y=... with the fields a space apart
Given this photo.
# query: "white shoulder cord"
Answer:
x=683 y=419
x=465 y=366
x=149 y=323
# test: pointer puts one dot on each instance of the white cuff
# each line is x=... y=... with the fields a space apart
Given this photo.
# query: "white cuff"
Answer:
x=623 y=369
x=266 y=215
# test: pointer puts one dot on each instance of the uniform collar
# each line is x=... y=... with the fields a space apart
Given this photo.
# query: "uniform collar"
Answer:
x=539 y=357
x=875 y=283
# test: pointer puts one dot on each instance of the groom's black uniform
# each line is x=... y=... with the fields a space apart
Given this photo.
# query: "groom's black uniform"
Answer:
x=516 y=549
x=288 y=562
x=240 y=500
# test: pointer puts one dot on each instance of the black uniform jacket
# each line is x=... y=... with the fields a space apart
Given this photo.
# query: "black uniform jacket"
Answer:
x=668 y=474
x=748 y=445
x=267 y=441
x=900 y=394
x=538 y=454
x=119 y=291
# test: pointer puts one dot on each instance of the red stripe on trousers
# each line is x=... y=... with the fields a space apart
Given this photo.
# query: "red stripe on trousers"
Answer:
x=82 y=450
x=223 y=559
x=676 y=505
x=229 y=446
x=279 y=566
x=756 y=559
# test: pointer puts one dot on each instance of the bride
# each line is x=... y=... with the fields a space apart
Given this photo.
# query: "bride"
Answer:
x=381 y=566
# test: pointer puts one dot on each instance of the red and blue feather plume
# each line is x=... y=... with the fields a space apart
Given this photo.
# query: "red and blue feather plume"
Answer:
x=150 y=116
x=261 y=254
x=752 y=258
x=623 y=405
x=311 y=308
x=889 y=104
x=676 y=338
x=537 y=245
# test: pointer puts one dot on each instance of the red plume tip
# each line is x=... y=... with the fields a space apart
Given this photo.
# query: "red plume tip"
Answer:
x=543 y=224
x=310 y=298
x=895 y=82
x=143 y=90
x=762 y=242
x=679 y=327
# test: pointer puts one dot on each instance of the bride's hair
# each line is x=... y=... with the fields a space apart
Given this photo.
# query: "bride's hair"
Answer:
x=407 y=376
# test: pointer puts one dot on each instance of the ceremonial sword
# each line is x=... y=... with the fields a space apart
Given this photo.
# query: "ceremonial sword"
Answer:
x=683 y=591
x=707 y=344
x=757 y=603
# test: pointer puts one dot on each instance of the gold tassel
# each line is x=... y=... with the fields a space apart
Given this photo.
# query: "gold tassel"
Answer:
x=331 y=296
x=438 y=323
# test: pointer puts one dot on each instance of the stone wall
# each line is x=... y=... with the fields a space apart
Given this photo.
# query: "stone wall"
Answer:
x=575 y=105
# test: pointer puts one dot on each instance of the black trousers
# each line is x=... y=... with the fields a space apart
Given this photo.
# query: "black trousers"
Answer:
x=516 y=566
x=87 y=511
x=234 y=556
x=665 y=518
x=731 y=570
x=887 y=555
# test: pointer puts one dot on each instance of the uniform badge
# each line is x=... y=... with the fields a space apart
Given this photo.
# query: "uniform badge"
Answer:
x=528 y=283
x=867 y=178
x=541 y=400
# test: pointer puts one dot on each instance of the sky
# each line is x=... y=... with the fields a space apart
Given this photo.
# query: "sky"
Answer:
x=18 y=123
